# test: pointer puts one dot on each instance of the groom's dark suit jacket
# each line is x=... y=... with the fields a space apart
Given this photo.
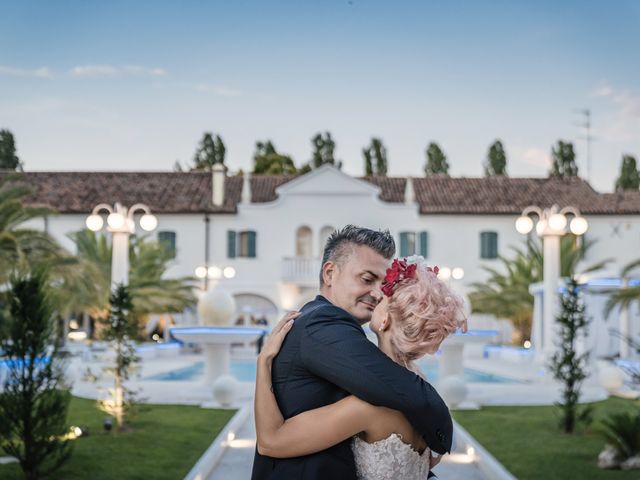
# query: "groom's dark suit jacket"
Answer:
x=325 y=357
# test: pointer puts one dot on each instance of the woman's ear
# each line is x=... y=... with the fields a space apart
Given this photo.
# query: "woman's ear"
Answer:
x=385 y=323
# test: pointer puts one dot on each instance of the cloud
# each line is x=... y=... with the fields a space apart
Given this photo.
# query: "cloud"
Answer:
x=42 y=72
x=220 y=90
x=622 y=123
x=534 y=156
x=115 y=71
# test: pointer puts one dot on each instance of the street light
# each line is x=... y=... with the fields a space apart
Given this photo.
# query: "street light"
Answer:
x=214 y=272
x=121 y=224
x=551 y=225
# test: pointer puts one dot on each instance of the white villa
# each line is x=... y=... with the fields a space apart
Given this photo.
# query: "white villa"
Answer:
x=271 y=229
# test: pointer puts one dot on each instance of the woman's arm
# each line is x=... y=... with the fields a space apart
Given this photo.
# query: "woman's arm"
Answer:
x=310 y=431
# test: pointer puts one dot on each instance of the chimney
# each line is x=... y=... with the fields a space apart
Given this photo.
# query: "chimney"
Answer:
x=217 y=184
x=246 y=188
x=409 y=194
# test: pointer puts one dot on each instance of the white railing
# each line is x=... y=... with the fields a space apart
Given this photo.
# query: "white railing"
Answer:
x=301 y=270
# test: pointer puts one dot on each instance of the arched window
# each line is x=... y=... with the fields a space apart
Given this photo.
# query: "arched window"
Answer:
x=303 y=242
x=325 y=232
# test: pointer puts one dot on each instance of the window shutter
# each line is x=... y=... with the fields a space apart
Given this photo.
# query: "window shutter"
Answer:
x=252 y=244
x=424 y=244
x=231 y=244
x=488 y=245
x=404 y=244
x=168 y=239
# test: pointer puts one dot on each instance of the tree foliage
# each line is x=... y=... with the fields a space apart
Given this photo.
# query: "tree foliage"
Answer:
x=375 y=158
x=211 y=151
x=629 y=178
x=505 y=293
x=496 y=161
x=8 y=158
x=564 y=160
x=34 y=402
x=323 y=151
x=436 y=161
x=567 y=365
x=267 y=161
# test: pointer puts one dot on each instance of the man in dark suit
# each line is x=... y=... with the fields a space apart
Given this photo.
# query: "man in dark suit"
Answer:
x=327 y=356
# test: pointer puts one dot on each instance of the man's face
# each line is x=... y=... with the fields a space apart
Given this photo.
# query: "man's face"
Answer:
x=355 y=284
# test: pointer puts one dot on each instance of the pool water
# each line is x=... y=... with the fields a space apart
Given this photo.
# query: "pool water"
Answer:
x=245 y=371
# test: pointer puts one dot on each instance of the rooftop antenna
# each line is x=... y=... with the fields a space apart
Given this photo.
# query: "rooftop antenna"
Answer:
x=586 y=113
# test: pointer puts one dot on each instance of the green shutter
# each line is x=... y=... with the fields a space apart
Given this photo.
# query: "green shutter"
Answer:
x=168 y=240
x=231 y=244
x=424 y=244
x=488 y=245
x=252 y=244
x=404 y=244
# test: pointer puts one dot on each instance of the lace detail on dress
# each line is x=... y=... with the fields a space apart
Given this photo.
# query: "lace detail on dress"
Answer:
x=389 y=459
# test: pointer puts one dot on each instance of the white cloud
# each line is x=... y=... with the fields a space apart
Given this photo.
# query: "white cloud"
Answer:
x=534 y=156
x=220 y=90
x=42 y=72
x=114 y=71
x=622 y=123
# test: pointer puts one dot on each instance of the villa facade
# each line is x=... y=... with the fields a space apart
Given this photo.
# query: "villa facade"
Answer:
x=271 y=229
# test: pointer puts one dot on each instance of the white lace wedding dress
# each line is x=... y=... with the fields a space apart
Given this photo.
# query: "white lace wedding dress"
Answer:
x=389 y=459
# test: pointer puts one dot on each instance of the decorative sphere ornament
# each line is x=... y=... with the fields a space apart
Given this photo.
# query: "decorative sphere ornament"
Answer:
x=225 y=389
x=216 y=307
x=453 y=390
x=610 y=377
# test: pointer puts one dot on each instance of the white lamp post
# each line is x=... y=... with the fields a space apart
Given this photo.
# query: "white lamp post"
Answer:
x=214 y=272
x=551 y=225
x=121 y=224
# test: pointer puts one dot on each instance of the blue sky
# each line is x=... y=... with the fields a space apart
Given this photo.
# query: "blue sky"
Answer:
x=90 y=85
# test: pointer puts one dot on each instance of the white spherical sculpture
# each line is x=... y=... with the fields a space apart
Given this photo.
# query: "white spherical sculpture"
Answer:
x=225 y=389
x=216 y=307
x=610 y=377
x=453 y=390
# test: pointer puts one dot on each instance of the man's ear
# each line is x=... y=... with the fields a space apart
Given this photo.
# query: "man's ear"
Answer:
x=328 y=270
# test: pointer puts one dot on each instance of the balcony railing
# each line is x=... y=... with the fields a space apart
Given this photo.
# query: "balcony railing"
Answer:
x=301 y=270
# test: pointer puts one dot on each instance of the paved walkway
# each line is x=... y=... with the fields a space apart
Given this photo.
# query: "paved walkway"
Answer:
x=237 y=460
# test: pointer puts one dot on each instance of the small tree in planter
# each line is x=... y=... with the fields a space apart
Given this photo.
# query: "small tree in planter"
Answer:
x=567 y=365
x=35 y=401
x=120 y=328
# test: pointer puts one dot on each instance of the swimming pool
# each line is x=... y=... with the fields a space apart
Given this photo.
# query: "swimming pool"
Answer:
x=245 y=371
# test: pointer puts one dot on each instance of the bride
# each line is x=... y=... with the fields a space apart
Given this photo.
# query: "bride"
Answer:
x=417 y=313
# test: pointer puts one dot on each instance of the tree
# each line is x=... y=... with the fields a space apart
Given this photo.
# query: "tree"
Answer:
x=505 y=293
x=564 y=160
x=629 y=178
x=210 y=151
x=21 y=248
x=120 y=329
x=375 y=158
x=8 y=158
x=323 y=151
x=624 y=297
x=148 y=262
x=267 y=161
x=436 y=161
x=35 y=401
x=496 y=162
x=567 y=365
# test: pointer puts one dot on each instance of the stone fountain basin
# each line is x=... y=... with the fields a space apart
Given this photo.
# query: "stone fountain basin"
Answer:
x=217 y=335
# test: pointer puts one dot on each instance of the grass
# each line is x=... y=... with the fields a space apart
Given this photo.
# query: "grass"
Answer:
x=528 y=443
x=165 y=442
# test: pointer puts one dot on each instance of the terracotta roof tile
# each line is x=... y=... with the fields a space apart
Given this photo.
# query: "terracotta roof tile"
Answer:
x=190 y=192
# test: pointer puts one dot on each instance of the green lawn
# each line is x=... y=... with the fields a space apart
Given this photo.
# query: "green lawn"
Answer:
x=526 y=441
x=165 y=443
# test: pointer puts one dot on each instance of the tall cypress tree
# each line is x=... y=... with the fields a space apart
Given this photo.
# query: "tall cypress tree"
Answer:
x=375 y=158
x=35 y=401
x=436 y=161
x=629 y=178
x=8 y=158
x=210 y=151
x=496 y=162
x=567 y=365
x=564 y=160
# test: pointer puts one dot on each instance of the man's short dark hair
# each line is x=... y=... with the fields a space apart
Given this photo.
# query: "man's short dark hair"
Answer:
x=340 y=242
